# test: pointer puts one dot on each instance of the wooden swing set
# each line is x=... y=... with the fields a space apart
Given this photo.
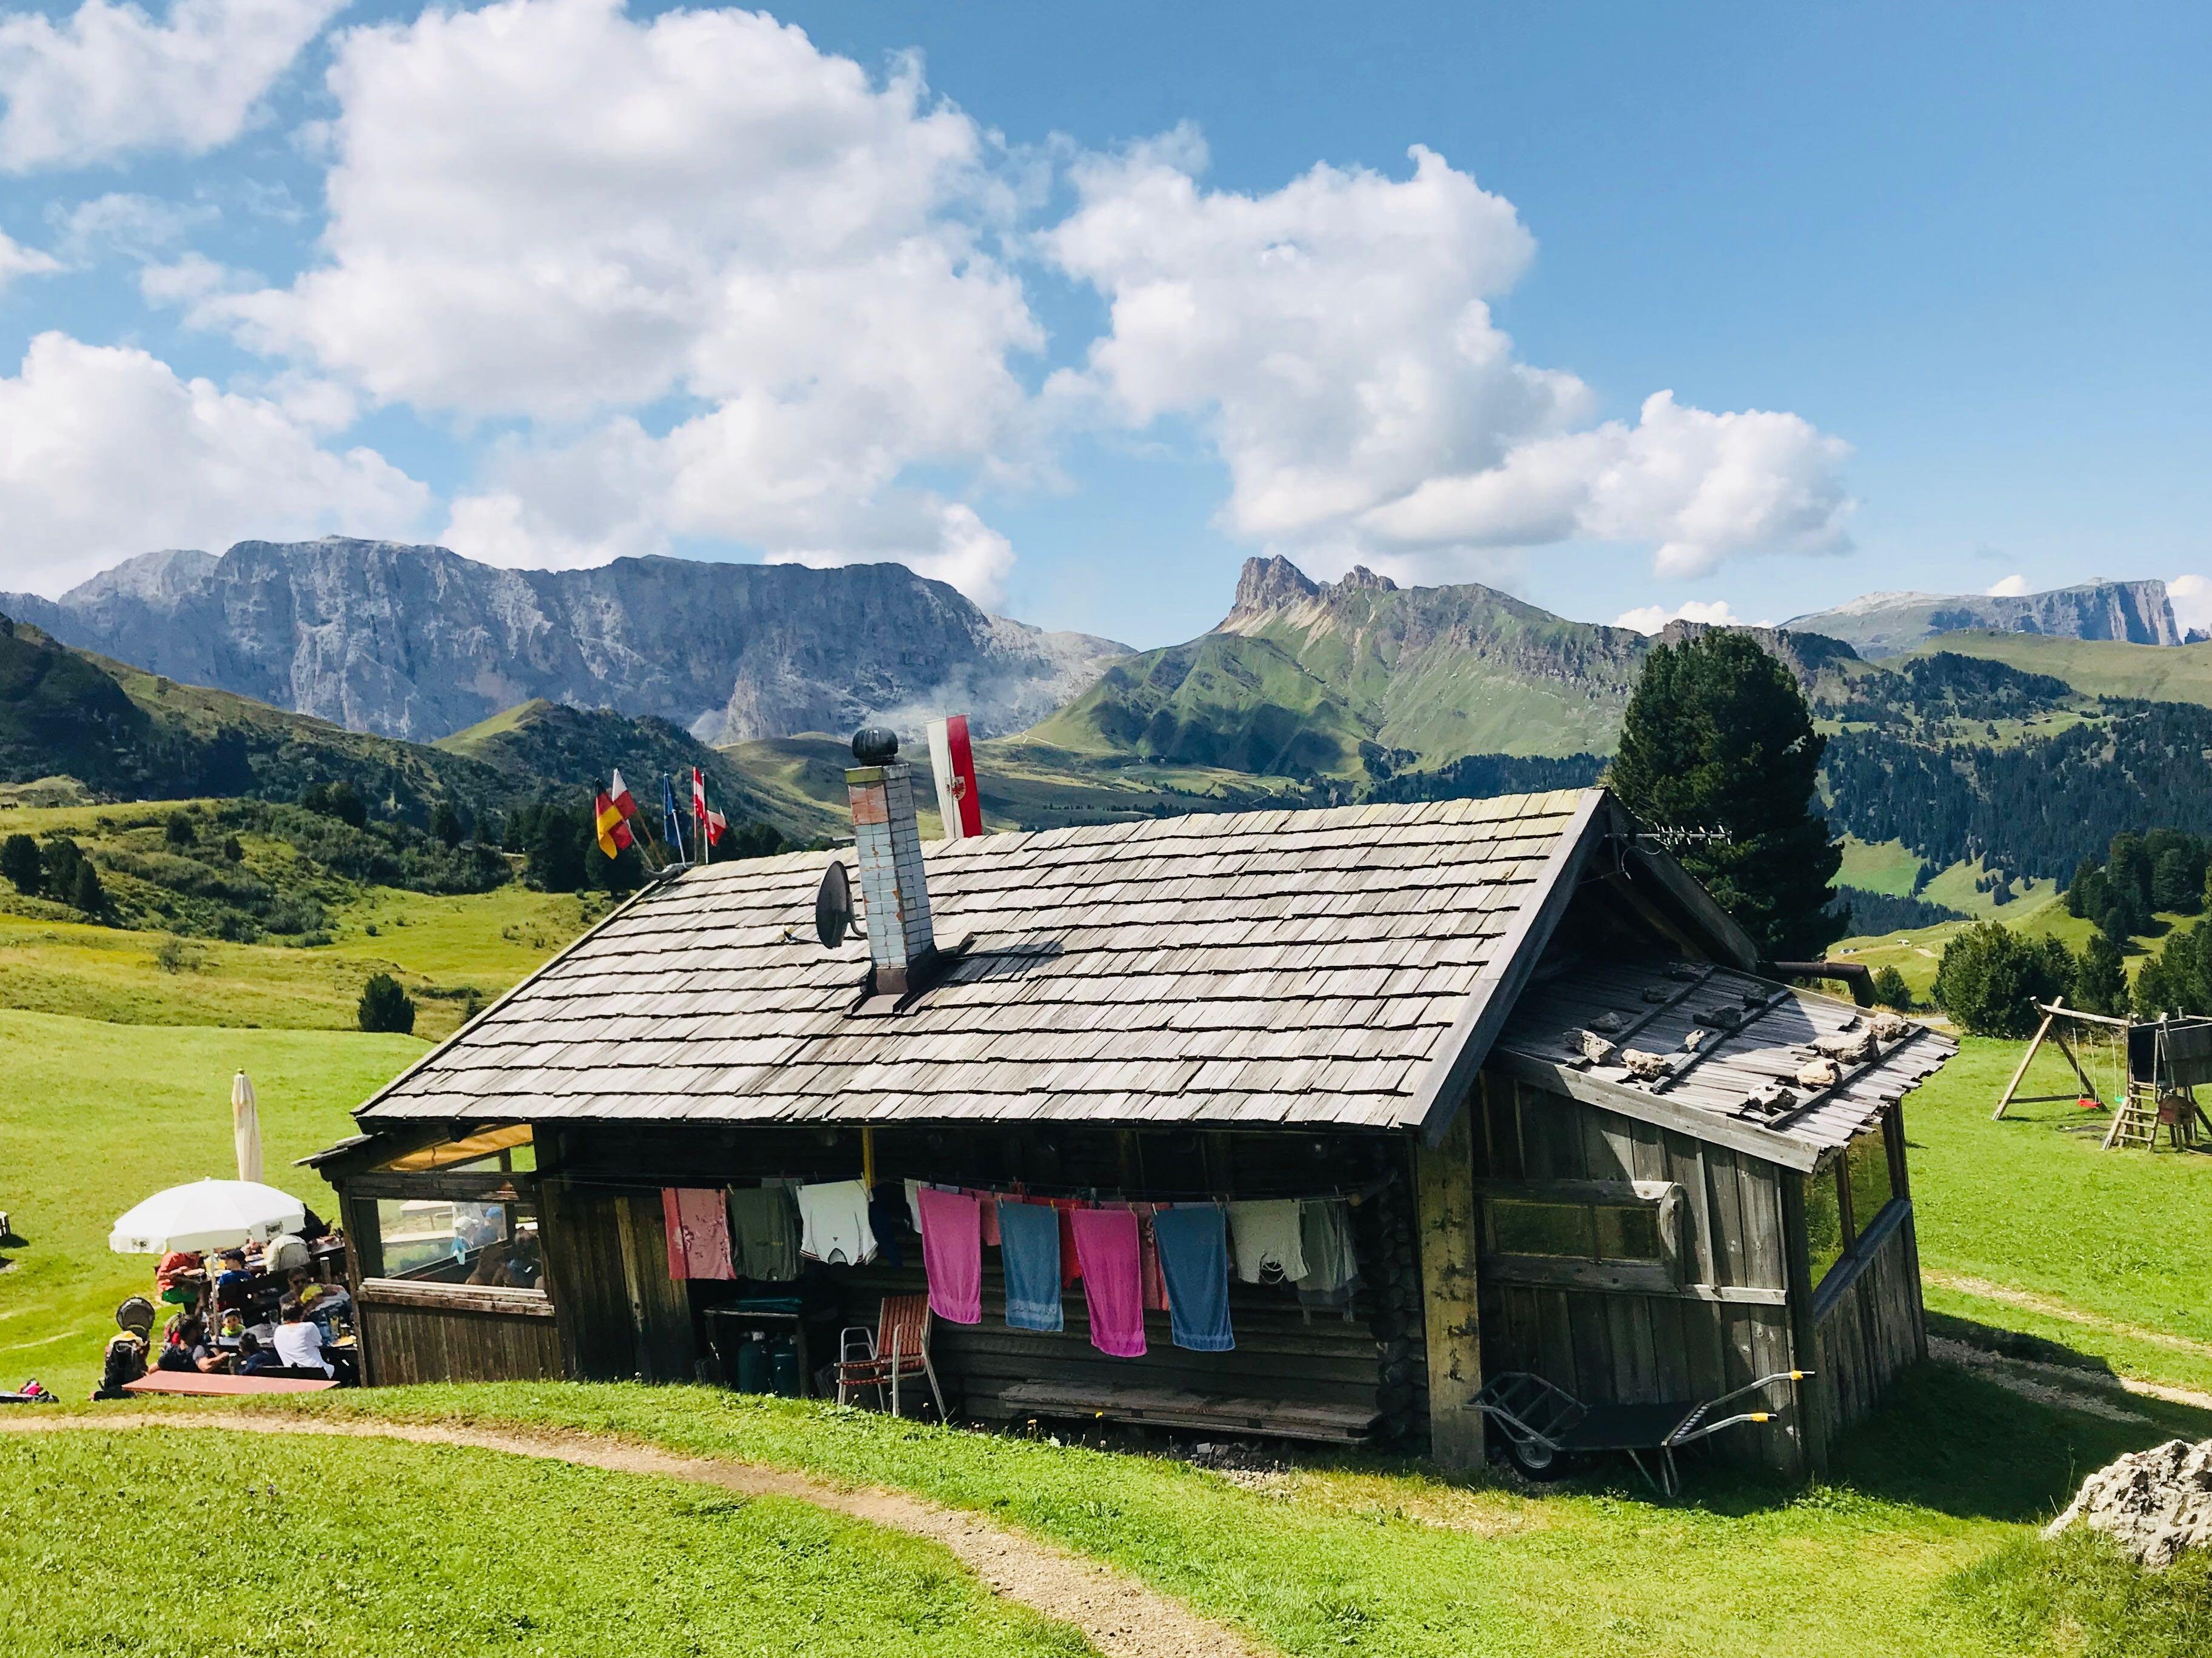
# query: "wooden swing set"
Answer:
x=2154 y=1066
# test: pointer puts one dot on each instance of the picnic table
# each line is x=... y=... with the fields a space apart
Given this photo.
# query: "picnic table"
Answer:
x=212 y=1383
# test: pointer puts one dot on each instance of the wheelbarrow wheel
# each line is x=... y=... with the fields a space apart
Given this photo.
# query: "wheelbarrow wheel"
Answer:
x=1532 y=1459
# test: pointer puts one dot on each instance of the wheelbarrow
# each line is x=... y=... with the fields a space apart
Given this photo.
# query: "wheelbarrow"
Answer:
x=1545 y=1429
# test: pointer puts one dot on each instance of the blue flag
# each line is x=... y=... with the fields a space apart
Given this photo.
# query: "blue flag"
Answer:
x=672 y=825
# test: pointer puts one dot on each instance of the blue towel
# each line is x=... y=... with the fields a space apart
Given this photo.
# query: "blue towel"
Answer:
x=1029 y=1252
x=1194 y=1241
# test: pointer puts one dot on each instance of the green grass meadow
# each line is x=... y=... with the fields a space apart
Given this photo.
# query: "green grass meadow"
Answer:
x=208 y=1545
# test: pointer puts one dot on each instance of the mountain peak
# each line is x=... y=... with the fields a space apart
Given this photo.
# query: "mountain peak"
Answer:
x=1883 y=624
x=1273 y=584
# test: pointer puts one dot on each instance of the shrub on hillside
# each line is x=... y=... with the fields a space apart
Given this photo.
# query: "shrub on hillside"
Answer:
x=1890 y=990
x=21 y=863
x=178 y=830
x=2100 y=982
x=385 y=1006
x=2178 y=979
x=85 y=892
x=1992 y=977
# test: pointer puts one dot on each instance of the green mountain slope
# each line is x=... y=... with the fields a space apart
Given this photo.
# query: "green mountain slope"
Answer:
x=2094 y=667
x=583 y=747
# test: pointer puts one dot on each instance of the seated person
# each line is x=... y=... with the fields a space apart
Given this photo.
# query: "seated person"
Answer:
x=299 y=1340
x=231 y=1279
x=189 y=1348
x=177 y=1264
x=125 y=1360
x=523 y=1270
x=233 y=1326
x=491 y=1265
x=282 y=1253
x=253 y=1357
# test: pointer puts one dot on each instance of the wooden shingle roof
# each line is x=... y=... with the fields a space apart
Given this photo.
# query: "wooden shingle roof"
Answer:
x=1732 y=1048
x=1275 y=968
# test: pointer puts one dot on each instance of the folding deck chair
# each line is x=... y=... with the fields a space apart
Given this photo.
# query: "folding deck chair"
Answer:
x=898 y=1348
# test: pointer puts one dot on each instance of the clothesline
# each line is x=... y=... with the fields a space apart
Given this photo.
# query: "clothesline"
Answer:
x=1354 y=1194
x=1131 y=1255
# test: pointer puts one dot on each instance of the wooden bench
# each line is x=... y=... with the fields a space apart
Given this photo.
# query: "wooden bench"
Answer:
x=1167 y=1408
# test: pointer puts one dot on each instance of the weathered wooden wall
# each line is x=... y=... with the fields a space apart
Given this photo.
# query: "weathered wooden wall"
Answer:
x=606 y=1268
x=1867 y=1324
x=1728 y=1326
x=459 y=1337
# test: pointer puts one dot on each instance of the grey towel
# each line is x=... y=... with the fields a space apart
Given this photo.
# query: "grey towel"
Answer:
x=1325 y=1239
x=765 y=1232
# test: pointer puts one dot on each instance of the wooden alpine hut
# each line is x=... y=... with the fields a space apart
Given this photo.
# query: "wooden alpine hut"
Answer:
x=1496 y=1077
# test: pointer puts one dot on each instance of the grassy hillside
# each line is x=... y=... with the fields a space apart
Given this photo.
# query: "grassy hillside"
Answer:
x=2094 y=667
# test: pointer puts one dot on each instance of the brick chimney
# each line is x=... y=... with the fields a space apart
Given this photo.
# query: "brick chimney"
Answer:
x=889 y=845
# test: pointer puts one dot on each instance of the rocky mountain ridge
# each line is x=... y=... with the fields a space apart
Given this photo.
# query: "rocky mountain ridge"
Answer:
x=1886 y=624
x=418 y=642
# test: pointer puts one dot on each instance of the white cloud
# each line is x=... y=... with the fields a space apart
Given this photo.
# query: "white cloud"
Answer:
x=548 y=209
x=121 y=223
x=1338 y=335
x=1650 y=618
x=186 y=280
x=106 y=452
x=2191 y=598
x=16 y=260
x=108 y=81
x=2011 y=587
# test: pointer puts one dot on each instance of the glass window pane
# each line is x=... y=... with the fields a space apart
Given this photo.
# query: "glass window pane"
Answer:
x=1824 y=1220
x=444 y=1240
x=1628 y=1232
x=1528 y=1226
x=1866 y=1162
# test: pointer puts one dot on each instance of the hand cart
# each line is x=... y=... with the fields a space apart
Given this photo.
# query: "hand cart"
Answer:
x=1544 y=1426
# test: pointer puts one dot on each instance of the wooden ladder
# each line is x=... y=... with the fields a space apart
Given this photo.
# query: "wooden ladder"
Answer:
x=2136 y=1122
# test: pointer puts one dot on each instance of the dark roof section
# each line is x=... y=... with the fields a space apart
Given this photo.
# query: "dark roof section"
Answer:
x=1315 y=968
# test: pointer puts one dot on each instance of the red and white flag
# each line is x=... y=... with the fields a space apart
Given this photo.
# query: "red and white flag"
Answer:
x=952 y=758
x=620 y=794
x=715 y=824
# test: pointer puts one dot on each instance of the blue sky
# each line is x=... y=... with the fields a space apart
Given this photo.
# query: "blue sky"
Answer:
x=1053 y=301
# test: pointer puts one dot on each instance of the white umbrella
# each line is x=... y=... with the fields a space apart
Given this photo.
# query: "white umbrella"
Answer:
x=209 y=1214
x=245 y=1127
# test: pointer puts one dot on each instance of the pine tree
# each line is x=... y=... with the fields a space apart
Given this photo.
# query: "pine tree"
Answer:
x=1890 y=990
x=385 y=1006
x=2177 y=881
x=2085 y=894
x=1990 y=979
x=21 y=864
x=2100 y=983
x=445 y=824
x=1718 y=737
x=85 y=892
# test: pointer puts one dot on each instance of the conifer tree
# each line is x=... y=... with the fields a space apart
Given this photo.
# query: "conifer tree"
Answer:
x=1718 y=738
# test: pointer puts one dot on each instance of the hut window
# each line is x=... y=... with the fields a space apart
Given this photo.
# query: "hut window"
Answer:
x=1588 y=1220
x=431 y=1240
x=1866 y=1168
x=1824 y=1220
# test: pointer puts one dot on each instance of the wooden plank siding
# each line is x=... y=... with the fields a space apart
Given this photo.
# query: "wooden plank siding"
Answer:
x=1729 y=1325
x=416 y=1342
x=1867 y=1324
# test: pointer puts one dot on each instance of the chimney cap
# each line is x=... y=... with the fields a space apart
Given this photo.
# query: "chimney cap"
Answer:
x=875 y=745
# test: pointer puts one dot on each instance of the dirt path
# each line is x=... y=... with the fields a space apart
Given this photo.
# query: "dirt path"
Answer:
x=1122 y=1616
x=2028 y=1301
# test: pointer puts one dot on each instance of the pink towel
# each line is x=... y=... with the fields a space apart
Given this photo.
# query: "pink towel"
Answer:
x=990 y=1203
x=1113 y=1278
x=698 y=1223
x=953 y=1254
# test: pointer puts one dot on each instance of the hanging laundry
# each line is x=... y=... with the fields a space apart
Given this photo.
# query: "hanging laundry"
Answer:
x=1194 y=1261
x=1148 y=1256
x=913 y=1203
x=1325 y=1239
x=1070 y=1263
x=833 y=1224
x=1029 y=1236
x=953 y=1254
x=989 y=1202
x=764 y=1233
x=698 y=1227
x=1113 y=1279
x=887 y=1219
x=1268 y=1246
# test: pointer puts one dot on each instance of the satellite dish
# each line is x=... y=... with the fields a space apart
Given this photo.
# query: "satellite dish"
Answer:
x=833 y=908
